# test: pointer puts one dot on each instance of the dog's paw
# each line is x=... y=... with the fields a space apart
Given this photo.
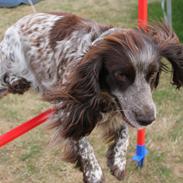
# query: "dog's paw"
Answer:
x=117 y=168
x=93 y=175
x=94 y=180
x=19 y=86
x=117 y=172
x=116 y=163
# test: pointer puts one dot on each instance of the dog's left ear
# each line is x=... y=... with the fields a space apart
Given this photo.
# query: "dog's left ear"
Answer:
x=169 y=47
x=174 y=54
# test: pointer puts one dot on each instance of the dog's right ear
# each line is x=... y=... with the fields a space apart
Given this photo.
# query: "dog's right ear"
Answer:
x=169 y=47
x=81 y=100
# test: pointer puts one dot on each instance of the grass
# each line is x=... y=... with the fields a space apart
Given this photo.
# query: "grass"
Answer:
x=31 y=159
x=155 y=13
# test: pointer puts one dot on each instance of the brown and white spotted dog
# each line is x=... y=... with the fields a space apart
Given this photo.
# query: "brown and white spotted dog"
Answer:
x=95 y=75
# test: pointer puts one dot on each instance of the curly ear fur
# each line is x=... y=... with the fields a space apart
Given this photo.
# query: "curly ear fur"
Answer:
x=161 y=33
x=174 y=54
x=81 y=100
x=169 y=47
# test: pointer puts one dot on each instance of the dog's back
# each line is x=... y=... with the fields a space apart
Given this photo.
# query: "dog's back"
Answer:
x=44 y=48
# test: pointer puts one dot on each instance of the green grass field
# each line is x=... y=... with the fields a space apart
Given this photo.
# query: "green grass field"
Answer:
x=30 y=159
x=177 y=15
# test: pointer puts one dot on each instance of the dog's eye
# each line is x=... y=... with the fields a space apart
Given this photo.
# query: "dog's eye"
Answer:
x=120 y=76
x=151 y=77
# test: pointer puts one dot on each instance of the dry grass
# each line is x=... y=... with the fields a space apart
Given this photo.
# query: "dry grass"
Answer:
x=30 y=158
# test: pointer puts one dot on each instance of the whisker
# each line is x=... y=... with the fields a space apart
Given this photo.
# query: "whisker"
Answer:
x=119 y=110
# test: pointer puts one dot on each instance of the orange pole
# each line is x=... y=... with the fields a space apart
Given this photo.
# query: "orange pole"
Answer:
x=141 y=150
x=141 y=137
x=142 y=13
x=142 y=23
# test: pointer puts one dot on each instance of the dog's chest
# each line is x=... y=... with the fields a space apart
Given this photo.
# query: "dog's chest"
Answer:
x=111 y=121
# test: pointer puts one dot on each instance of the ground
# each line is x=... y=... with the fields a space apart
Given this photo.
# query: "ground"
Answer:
x=31 y=159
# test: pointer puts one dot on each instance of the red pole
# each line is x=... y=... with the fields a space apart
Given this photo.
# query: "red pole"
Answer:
x=142 y=13
x=142 y=23
x=25 y=127
x=141 y=137
x=141 y=150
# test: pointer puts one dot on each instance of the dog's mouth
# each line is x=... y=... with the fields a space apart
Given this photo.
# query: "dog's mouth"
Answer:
x=127 y=121
x=125 y=118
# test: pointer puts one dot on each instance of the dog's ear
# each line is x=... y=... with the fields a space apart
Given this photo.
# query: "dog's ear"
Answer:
x=161 y=33
x=170 y=48
x=84 y=101
x=81 y=100
x=174 y=54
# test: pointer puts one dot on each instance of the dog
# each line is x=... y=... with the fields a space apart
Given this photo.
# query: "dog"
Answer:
x=94 y=75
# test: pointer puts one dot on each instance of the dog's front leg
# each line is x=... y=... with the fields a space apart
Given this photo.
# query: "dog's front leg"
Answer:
x=116 y=154
x=92 y=172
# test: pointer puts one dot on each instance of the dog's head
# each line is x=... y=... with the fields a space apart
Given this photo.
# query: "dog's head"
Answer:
x=127 y=65
x=131 y=67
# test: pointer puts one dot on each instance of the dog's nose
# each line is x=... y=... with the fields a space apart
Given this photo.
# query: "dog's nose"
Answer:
x=145 y=119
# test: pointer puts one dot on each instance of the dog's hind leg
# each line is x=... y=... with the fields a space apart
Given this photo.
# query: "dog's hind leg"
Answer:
x=3 y=92
x=13 y=84
x=16 y=84
x=116 y=154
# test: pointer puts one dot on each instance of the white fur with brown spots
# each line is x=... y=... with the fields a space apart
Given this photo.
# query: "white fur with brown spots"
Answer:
x=95 y=75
